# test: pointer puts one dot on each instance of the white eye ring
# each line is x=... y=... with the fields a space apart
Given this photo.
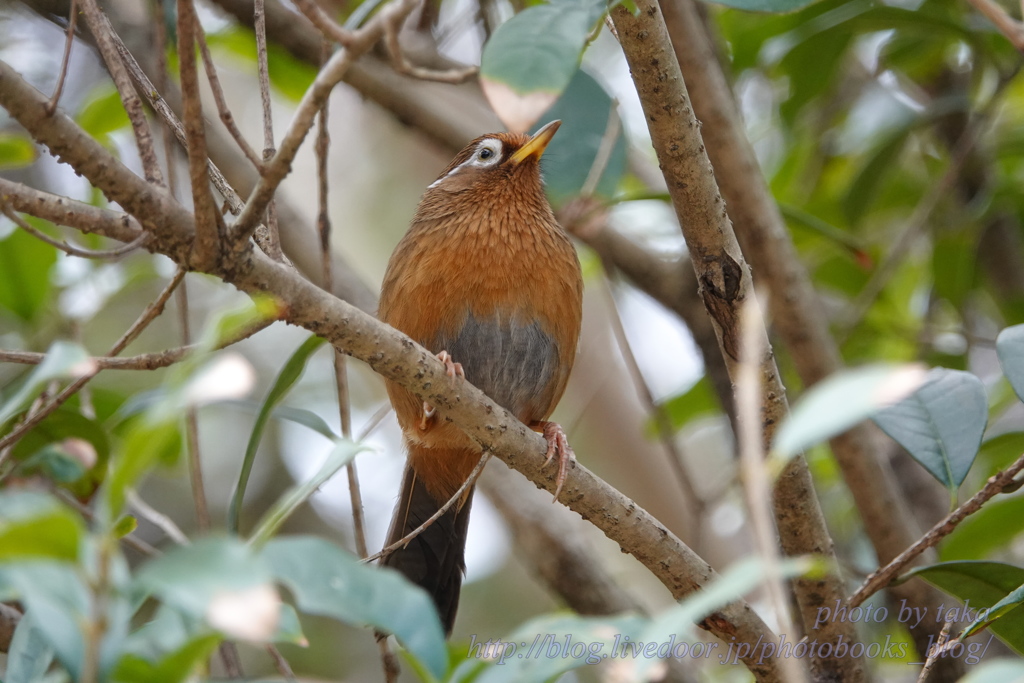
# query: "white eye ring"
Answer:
x=488 y=153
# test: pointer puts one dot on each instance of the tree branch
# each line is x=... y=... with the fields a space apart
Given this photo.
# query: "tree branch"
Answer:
x=725 y=284
x=395 y=356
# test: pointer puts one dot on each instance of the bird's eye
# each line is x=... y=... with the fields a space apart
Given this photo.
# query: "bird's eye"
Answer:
x=485 y=153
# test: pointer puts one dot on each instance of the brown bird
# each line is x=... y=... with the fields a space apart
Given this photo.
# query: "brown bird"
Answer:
x=486 y=277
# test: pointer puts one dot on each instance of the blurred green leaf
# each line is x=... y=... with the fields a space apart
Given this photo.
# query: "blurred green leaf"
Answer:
x=290 y=500
x=63 y=359
x=546 y=647
x=1008 y=604
x=584 y=109
x=1001 y=451
x=188 y=577
x=25 y=264
x=103 y=113
x=779 y=6
x=531 y=58
x=16 y=151
x=539 y=48
x=285 y=380
x=29 y=655
x=858 y=201
x=36 y=525
x=176 y=667
x=57 y=600
x=289 y=75
x=996 y=671
x=700 y=399
x=327 y=581
x=146 y=444
x=954 y=256
x=1010 y=349
x=981 y=585
x=941 y=424
x=842 y=400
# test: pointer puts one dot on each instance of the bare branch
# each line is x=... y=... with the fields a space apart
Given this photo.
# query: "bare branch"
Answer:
x=996 y=484
x=65 y=60
x=393 y=19
x=222 y=104
x=1007 y=25
x=398 y=358
x=269 y=240
x=327 y=26
x=725 y=284
x=104 y=34
x=67 y=248
x=207 y=248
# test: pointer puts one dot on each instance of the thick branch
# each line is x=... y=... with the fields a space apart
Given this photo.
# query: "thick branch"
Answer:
x=398 y=358
x=725 y=284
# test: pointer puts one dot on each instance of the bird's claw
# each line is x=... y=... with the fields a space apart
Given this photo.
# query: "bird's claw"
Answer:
x=454 y=370
x=558 y=444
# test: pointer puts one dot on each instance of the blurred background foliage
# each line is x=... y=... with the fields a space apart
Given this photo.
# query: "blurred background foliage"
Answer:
x=892 y=136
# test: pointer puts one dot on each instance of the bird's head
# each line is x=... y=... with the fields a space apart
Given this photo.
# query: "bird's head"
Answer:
x=495 y=160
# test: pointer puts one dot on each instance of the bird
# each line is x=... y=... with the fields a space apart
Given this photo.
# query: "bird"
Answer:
x=488 y=280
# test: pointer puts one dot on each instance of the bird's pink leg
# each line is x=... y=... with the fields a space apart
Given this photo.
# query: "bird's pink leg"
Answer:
x=558 y=444
x=454 y=370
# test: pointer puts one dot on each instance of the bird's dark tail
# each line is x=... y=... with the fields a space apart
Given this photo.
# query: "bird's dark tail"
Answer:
x=434 y=560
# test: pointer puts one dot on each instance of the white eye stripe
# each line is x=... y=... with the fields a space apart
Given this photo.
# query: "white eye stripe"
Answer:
x=488 y=153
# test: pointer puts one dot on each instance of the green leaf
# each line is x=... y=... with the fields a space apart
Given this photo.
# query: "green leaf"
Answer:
x=700 y=399
x=340 y=455
x=531 y=58
x=327 y=581
x=941 y=424
x=286 y=379
x=997 y=671
x=584 y=109
x=188 y=577
x=25 y=273
x=103 y=113
x=953 y=263
x=545 y=647
x=34 y=525
x=58 y=602
x=176 y=667
x=1011 y=602
x=774 y=6
x=16 y=151
x=306 y=418
x=1010 y=349
x=1001 y=451
x=63 y=359
x=146 y=444
x=841 y=401
x=980 y=585
x=869 y=179
x=29 y=655
x=734 y=583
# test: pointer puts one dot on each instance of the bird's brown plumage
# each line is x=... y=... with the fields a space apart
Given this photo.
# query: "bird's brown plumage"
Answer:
x=485 y=273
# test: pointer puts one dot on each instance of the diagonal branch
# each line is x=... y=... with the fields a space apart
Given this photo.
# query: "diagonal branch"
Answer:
x=395 y=356
x=725 y=284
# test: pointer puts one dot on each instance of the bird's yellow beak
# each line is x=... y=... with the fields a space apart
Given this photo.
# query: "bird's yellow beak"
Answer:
x=536 y=145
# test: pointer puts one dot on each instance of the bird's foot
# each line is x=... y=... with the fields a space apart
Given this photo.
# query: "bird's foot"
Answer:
x=558 y=444
x=454 y=370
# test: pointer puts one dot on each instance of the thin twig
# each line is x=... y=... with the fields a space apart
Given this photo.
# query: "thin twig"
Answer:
x=70 y=249
x=375 y=421
x=303 y=118
x=995 y=485
x=106 y=41
x=666 y=433
x=51 y=405
x=222 y=104
x=195 y=460
x=145 y=361
x=157 y=518
x=393 y=19
x=206 y=250
x=330 y=28
x=1007 y=25
x=604 y=151
x=283 y=667
x=473 y=476
x=267 y=237
x=65 y=60
x=755 y=477
x=170 y=119
x=935 y=652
